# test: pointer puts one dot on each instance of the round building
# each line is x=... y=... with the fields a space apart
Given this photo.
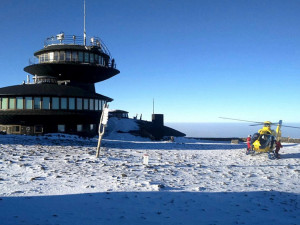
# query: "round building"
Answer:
x=62 y=96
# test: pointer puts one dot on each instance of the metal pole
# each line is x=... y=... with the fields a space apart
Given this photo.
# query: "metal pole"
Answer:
x=102 y=126
x=99 y=142
x=153 y=105
x=84 y=33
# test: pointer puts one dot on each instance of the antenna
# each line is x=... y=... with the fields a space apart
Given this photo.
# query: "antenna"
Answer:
x=153 y=105
x=84 y=33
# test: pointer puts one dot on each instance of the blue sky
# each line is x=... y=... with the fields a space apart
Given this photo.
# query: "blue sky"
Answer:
x=198 y=59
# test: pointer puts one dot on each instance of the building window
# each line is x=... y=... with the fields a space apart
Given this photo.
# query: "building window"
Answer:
x=46 y=59
x=79 y=127
x=92 y=126
x=28 y=102
x=71 y=103
x=37 y=103
x=96 y=104
x=38 y=129
x=61 y=128
x=68 y=56
x=86 y=57
x=51 y=56
x=91 y=104
x=19 y=102
x=85 y=104
x=46 y=103
x=16 y=129
x=63 y=103
x=92 y=60
x=100 y=104
x=96 y=58
x=55 y=103
x=61 y=56
x=11 y=103
x=41 y=58
x=80 y=56
x=74 y=56
x=79 y=104
x=56 y=55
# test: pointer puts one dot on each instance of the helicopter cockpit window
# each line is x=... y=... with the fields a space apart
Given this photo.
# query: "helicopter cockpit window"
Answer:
x=264 y=140
x=254 y=137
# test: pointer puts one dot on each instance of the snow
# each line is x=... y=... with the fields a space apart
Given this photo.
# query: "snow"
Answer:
x=56 y=179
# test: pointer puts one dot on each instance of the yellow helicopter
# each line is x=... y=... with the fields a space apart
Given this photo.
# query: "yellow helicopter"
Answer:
x=265 y=139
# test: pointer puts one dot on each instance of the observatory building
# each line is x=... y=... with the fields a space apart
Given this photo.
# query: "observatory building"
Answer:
x=62 y=96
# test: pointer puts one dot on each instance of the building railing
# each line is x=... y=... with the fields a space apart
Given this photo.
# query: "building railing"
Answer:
x=35 y=60
x=76 y=40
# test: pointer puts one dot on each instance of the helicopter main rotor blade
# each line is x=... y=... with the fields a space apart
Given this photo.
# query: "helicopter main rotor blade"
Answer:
x=290 y=126
x=226 y=118
x=258 y=124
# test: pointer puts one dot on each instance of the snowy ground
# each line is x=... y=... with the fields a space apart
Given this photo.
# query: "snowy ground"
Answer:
x=56 y=179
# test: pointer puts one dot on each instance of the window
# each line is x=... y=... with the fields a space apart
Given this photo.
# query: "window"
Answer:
x=100 y=104
x=16 y=129
x=38 y=129
x=11 y=103
x=28 y=102
x=92 y=58
x=68 y=56
x=86 y=57
x=55 y=103
x=56 y=55
x=79 y=127
x=61 y=128
x=46 y=59
x=79 y=104
x=91 y=104
x=96 y=58
x=72 y=103
x=61 y=56
x=96 y=104
x=74 y=56
x=37 y=103
x=63 y=103
x=4 y=104
x=46 y=103
x=80 y=56
x=20 y=102
x=41 y=58
x=51 y=56
x=85 y=104
x=92 y=126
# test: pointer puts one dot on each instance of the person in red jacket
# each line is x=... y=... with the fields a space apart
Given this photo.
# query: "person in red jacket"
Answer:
x=277 y=148
x=249 y=142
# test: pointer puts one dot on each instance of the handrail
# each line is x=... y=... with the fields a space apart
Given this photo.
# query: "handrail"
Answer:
x=34 y=60
x=76 y=40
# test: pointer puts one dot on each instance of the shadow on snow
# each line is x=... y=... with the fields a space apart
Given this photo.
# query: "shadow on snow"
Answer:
x=114 y=208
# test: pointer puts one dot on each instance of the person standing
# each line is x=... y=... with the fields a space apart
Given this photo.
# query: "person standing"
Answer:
x=248 y=142
x=277 y=148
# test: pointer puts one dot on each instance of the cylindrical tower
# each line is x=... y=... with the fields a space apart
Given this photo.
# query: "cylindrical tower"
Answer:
x=62 y=97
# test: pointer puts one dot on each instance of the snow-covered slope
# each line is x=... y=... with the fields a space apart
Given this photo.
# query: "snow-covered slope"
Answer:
x=56 y=179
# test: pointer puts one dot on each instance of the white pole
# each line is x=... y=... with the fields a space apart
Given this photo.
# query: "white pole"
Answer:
x=84 y=33
x=102 y=126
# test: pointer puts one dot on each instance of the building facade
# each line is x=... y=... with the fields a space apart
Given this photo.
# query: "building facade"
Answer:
x=62 y=96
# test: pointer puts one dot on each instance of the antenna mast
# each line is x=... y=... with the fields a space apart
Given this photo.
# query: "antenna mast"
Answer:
x=84 y=33
x=153 y=105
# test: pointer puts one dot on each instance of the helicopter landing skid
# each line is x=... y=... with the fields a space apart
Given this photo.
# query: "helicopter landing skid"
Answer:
x=272 y=155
